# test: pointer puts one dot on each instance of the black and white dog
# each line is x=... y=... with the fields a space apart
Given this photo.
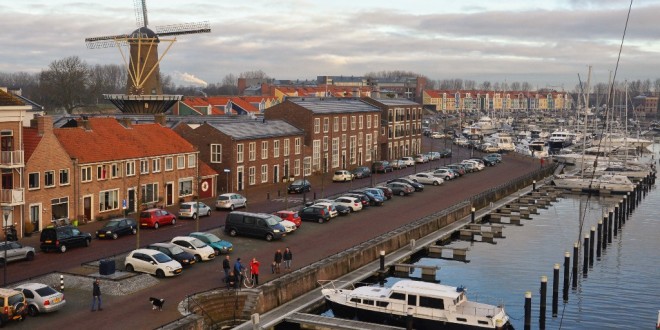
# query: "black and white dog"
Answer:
x=157 y=303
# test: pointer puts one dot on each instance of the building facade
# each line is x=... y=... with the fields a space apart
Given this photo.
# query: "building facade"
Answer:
x=401 y=127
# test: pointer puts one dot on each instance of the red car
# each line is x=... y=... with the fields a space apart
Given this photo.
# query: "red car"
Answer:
x=291 y=216
x=156 y=218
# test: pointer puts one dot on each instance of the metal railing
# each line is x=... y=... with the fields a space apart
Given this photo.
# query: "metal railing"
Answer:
x=11 y=158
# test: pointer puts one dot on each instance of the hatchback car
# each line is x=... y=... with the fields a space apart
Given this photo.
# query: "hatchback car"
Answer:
x=433 y=155
x=156 y=217
x=426 y=178
x=190 y=210
x=216 y=243
x=409 y=161
x=400 y=188
x=15 y=251
x=314 y=213
x=386 y=191
x=364 y=199
x=352 y=202
x=152 y=262
x=361 y=172
x=175 y=252
x=13 y=305
x=41 y=298
x=299 y=186
x=374 y=200
x=330 y=207
x=398 y=164
x=290 y=216
x=194 y=246
x=446 y=153
x=117 y=227
x=444 y=173
x=230 y=201
x=342 y=175
x=457 y=168
x=421 y=158
x=382 y=167
x=418 y=186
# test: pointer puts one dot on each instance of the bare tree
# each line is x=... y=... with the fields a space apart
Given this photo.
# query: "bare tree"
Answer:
x=106 y=79
x=515 y=86
x=255 y=74
x=65 y=83
x=486 y=85
x=470 y=85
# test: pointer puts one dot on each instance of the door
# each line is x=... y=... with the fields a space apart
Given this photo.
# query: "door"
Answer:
x=239 y=178
x=276 y=174
x=87 y=208
x=130 y=207
x=35 y=216
x=169 y=187
x=7 y=179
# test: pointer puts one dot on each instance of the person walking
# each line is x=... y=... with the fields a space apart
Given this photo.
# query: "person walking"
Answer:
x=238 y=270
x=232 y=280
x=226 y=266
x=278 y=261
x=254 y=269
x=96 y=295
x=288 y=255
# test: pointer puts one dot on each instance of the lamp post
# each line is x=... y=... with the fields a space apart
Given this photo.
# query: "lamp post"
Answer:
x=6 y=211
x=227 y=171
x=472 y=212
x=324 y=168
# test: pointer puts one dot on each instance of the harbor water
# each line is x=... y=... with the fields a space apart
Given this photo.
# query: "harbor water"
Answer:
x=621 y=290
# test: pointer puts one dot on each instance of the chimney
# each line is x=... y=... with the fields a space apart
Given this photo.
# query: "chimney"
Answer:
x=43 y=124
x=126 y=122
x=160 y=118
x=84 y=123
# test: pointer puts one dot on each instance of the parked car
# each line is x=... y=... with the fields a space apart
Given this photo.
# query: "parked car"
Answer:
x=63 y=237
x=254 y=224
x=374 y=199
x=477 y=165
x=41 y=298
x=470 y=167
x=343 y=210
x=376 y=191
x=13 y=305
x=400 y=188
x=151 y=262
x=489 y=161
x=426 y=178
x=230 y=201
x=361 y=172
x=15 y=251
x=437 y=135
x=289 y=227
x=314 y=213
x=290 y=216
x=117 y=227
x=421 y=158
x=330 y=207
x=418 y=186
x=409 y=161
x=444 y=173
x=433 y=155
x=364 y=199
x=386 y=191
x=156 y=218
x=480 y=161
x=342 y=175
x=457 y=168
x=194 y=246
x=190 y=210
x=348 y=201
x=445 y=153
x=398 y=164
x=382 y=166
x=175 y=252
x=461 y=141
x=496 y=156
x=299 y=186
x=216 y=243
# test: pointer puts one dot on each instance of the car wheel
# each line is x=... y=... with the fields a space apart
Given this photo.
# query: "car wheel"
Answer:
x=63 y=248
x=88 y=242
x=198 y=258
x=401 y=193
x=115 y=236
x=435 y=183
x=160 y=273
x=29 y=256
x=269 y=237
x=194 y=216
x=134 y=231
x=173 y=221
x=233 y=232
x=156 y=225
x=129 y=268
x=208 y=214
x=33 y=311
x=321 y=220
x=349 y=211
x=231 y=207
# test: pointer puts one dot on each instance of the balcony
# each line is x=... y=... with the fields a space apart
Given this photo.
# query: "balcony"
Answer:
x=12 y=197
x=11 y=159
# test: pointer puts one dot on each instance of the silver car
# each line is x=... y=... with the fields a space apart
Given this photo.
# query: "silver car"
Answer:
x=41 y=298
x=15 y=251
x=230 y=201
x=189 y=210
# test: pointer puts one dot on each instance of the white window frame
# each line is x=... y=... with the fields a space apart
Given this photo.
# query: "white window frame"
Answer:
x=184 y=193
x=344 y=124
x=130 y=168
x=155 y=165
x=216 y=153
x=192 y=160
x=335 y=124
x=317 y=125
x=335 y=152
x=86 y=174
x=326 y=124
x=252 y=151
x=169 y=163
x=264 y=173
x=102 y=172
x=239 y=152
x=52 y=178
x=113 y=202
x=68 y=177
x=144 y=166
x=143 y=194
x=115 y=170
x=180 y=162
x=276 y=148
x=287 y=149
x=296 y=167
x=251 y=175
x=297 y=144
x=264 y=149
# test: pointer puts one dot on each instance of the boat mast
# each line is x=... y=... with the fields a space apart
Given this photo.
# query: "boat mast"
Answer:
x=584 y=134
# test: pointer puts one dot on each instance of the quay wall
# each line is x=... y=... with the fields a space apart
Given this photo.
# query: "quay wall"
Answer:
x=216 y=306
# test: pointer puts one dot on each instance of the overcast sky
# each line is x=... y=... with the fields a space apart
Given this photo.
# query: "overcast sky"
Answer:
x=546 y=42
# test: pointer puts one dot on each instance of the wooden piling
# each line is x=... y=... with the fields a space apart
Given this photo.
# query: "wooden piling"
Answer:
x=542 y=302
x=555 y=290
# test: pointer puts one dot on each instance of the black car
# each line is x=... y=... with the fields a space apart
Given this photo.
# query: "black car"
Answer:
x=363 y=198
x=175 y=252
x=314 y=213
x=117 y=227
x=63 y=237
x=299 y=186
x=445 y=153
x=343 y=210
x=489 y=161
x=418 y=186
x=382 y=167
x=361 y=172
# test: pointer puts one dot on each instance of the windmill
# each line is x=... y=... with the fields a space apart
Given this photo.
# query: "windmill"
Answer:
x=143 y=87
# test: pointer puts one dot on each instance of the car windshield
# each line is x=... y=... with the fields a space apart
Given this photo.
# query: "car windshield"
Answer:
x=176 y=250
x=185 y=207
x=197 y=243
x=162 y=258
x=46 y=291
x=15 y=299
x=112 y=223
x=223 y=198
x=272 y=220
x=212 y=238
x=297 y=183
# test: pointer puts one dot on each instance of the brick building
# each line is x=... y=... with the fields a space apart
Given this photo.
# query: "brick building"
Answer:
x=341 y=132
x=401 y=127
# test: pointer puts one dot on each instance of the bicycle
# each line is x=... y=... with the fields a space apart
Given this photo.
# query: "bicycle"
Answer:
x=248 y=281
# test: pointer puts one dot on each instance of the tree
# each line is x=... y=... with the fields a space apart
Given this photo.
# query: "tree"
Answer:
x=106 y=79
x=65 y=83
x=255 y=74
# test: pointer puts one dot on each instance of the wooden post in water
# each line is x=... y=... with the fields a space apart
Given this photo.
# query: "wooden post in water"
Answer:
x=598 y=238
x=567 y=274
x=528 y=310
x=592 y=237
x=542 y=303
x=585 y=262
x=621 y=220
x=555 y=290
x=409 y=319
x=616 y=221
x=610 y=217
x=576 y=253
x=604 y=232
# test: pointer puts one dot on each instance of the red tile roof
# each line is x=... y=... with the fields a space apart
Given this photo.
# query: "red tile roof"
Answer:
x=206 y=170
x=9 y=99
x=108 y=140
x=31 y=140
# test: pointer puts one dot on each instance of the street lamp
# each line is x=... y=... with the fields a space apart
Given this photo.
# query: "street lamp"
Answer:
x=227 y=171
x=6 y=211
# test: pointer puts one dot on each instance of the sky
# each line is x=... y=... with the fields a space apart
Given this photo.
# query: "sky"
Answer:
x=547 y=43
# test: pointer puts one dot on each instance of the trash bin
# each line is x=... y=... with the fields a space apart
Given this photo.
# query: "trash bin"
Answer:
x=107 y=267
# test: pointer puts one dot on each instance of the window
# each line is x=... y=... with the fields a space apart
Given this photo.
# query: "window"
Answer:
x=335 y=152
x=316 y=153
x=375 y=121
x=169 y=163
x=335 y=124
x=368 y=121
x=144 y=166
x=264 y=173
x=296 y=167
x=286 y=147
x=360 y=122
x=130 y=168
x=276 y=148
x=344 y=120
x=317 y=125
x=431 y=302
x=252 y=151
x=86 y=174
x=60 y=206
x=343 y=141
x=33 y=181
x=264 y=149
x=251 y=175
x=307 y=166
x=216 y=153
x=49 y=179
x=180 y=162
x=352 y=150
x=192 y=160
x=239 y=153
x=155 y=165
x=326 y=125
x=412 y=300
x=352 y=122
x=185 y=187
x=109 y=200
x=115 y=170
x=325 y=143
x=101 y=172
x=150 y=193
x=297 y=146
x=382 y=303
x=64 y=177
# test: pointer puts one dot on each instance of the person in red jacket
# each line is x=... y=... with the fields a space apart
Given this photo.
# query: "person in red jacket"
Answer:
x=254 y=269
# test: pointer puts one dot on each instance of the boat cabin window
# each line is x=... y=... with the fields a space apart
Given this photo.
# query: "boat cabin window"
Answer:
x=356 y=300
x=382 y=303
x=368 y=302
x=483 y=322
x=431 y=302
x=412 y=300
x=398 y=296
x=461 y=319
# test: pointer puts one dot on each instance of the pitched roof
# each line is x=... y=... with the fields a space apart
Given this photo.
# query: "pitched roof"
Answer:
x=254 y=129
x=31 y=140
x=7 y=99
x=394 y=102
x=334 y=105
x=108 y=140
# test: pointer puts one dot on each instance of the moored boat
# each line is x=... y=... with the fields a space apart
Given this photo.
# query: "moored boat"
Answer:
x=606 y=182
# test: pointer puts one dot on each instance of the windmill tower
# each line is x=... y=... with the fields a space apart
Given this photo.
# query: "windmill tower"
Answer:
x=143 y=87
